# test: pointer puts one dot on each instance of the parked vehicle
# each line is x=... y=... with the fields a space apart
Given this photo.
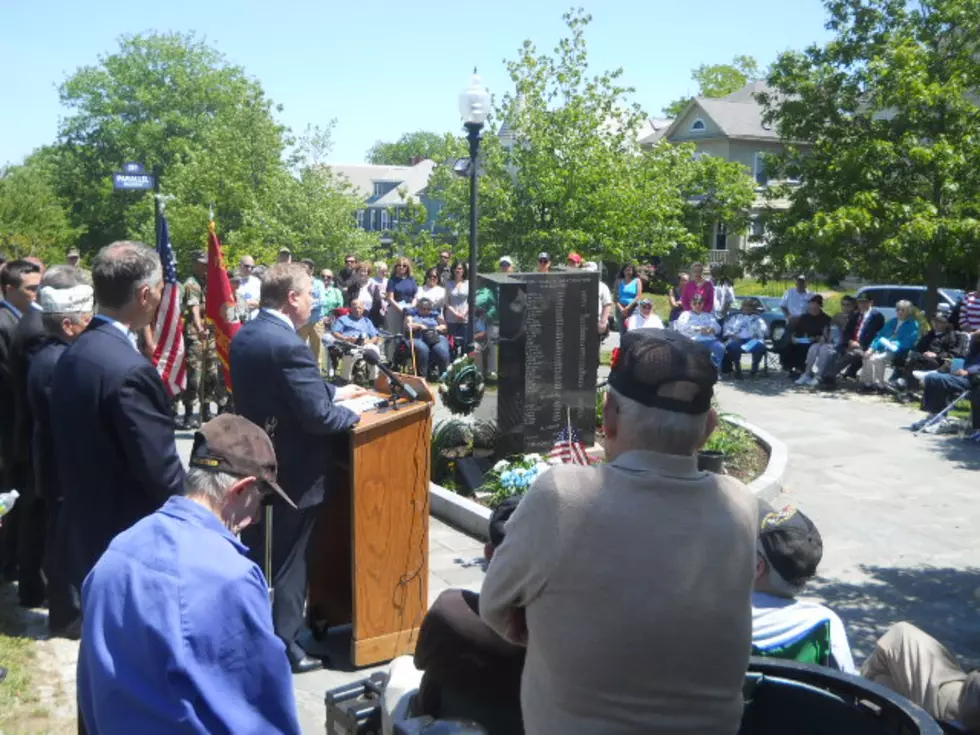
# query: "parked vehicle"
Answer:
x=886 y=296
x=768 y=308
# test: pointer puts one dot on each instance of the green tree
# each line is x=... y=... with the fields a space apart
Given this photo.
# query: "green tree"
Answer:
x=409 y=147
x=891 y=176
x=569 y=175
x=32 y=218
x=174 y=104
x=718 y=80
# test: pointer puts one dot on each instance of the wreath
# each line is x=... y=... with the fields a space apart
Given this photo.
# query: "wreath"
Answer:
x=461 y=386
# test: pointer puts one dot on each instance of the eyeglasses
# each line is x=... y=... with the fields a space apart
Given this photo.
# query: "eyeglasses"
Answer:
x=542 y=260
x=248 y=267
x=328 y=278
x=646 y=306
x=433 y=275
x=349 y=261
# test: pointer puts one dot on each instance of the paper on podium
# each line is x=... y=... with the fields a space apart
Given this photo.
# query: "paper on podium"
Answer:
x=361 y=404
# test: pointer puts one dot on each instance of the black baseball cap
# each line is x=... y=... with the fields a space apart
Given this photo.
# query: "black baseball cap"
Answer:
x=499 y=517
x=200 y=257
x=790 y=542
x=235 y=445
x=664 y=369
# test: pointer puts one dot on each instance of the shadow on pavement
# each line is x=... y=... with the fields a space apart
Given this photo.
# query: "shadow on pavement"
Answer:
x=941 y=601
x=776 y=383
x=964 y=454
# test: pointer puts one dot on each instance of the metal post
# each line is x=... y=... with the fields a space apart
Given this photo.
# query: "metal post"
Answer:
x=473 y=135
x=268 y=552
x=156 y=204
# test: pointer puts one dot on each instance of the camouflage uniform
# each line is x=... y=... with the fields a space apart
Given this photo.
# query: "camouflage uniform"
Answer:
x=201 y=355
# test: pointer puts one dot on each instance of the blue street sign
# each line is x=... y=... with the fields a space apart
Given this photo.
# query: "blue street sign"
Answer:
x=132 y=182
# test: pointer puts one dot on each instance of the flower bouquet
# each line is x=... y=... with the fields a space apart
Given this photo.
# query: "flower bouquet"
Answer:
x=513 y=477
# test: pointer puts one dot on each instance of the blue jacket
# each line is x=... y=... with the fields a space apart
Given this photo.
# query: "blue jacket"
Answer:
x=278 y=386
x=113 y=430
x=177 y=634
x=906 y=336
x=873 y=323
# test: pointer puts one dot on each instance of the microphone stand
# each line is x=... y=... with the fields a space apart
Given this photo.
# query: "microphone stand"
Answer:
x=268 y=549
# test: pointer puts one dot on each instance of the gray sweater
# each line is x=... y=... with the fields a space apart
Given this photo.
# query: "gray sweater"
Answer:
x=635 y=579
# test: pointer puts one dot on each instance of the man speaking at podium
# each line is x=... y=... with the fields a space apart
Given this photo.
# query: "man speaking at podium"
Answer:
x=278 y=386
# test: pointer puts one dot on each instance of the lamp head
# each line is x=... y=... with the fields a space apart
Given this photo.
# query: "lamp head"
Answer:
x=474 y=101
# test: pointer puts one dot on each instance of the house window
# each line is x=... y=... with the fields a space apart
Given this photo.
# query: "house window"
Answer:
x=379 y=188
x=374 y=220
x=360 y=218
x=761 y=175
x=698 y=126
x=757 y=236
x=384 y=219
x=721 y=237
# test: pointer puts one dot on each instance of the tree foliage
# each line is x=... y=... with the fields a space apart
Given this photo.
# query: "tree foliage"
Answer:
x=569 y=174
x=173 y=103
x=891 y=177
x=410 y=147
x=718 y=80
x=32 y=218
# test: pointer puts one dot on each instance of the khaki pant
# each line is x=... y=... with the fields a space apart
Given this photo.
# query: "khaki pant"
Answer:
x=313 y=333
x=873 y=368
x=920 y=668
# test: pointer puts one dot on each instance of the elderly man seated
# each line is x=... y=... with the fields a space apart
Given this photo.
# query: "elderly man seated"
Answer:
x=790 y=549
x=356 y=329
x=629 y=582
x=701 y=326
x=428 y=333
x=177 y=625
x=935 y=350
x=745 y=332
x=940 y=388
x=921 y=669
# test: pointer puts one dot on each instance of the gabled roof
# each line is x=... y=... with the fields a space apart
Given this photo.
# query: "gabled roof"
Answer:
x=738 y=115
x=412 y=179
x=653 y=130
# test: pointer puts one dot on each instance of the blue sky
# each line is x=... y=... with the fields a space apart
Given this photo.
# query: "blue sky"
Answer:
x=383 y=68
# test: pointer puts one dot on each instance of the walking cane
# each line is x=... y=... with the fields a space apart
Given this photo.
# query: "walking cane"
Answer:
x=411 y=343
x=268 y=549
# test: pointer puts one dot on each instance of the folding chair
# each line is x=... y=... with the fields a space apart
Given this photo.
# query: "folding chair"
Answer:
x=942 y=414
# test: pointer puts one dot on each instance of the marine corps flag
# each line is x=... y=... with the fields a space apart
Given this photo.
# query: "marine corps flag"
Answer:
x=220 y=303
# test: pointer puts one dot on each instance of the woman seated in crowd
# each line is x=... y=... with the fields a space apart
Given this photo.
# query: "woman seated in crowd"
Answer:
x=701 y=326
x=809 y=328
x=935 y=350
x=890 y=347
x=822 y=356
x=428 y=332
x=644 y=317
x=746 y=332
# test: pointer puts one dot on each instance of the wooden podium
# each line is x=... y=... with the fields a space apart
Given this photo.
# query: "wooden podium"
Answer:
x=370 y=563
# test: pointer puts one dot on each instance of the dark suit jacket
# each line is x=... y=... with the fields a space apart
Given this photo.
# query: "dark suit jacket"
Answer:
x=28 y=336
x=113 y=433
x=8 y=406
x=39 y=377
x=278 y=386
x=872 y=325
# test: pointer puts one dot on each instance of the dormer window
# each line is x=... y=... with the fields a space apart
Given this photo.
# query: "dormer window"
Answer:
x=698 y=126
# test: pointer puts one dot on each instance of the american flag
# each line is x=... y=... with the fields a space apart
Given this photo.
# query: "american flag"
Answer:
x=569 y=448
x=168 y=356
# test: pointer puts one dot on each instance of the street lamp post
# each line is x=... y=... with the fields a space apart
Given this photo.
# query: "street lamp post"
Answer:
x=474 y=106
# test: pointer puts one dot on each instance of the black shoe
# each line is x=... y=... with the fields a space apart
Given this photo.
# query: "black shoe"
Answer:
x=305 y=664
x=192 y=423
x=739 y=376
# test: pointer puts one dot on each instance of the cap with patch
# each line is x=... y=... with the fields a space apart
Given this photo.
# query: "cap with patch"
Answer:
x=200 y=257
x=863 y=297
x=575 y=258
x=590 y=266
x=544 y=256
x=801 y=277
x=284 y=249
x=664 y=369
x=75 y=300
x=506 y=260
x=235 y=445
x=74 y=253
x=790 y=542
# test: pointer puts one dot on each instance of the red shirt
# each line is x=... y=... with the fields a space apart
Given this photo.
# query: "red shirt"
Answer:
x=707 y=290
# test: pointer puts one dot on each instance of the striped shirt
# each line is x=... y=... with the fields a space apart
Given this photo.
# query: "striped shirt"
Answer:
x=970 y=312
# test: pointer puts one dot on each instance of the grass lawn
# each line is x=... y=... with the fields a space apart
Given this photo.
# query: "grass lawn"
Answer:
x=20 y=707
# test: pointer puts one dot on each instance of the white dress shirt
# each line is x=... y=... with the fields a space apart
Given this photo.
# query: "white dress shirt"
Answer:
x=636 y=321
x=281 y=317
x=250 y=289
x=130 y=336
x=746 y=326
x=795 y=302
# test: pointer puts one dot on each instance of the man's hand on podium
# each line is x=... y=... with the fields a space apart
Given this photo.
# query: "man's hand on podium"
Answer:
x=349 y=392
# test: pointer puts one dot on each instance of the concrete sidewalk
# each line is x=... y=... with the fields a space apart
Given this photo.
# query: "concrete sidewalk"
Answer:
x=898 y=513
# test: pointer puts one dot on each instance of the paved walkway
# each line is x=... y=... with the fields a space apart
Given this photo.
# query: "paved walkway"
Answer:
x=898 y=513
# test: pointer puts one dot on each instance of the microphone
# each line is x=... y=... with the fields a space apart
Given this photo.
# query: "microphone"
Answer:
x=371 y=358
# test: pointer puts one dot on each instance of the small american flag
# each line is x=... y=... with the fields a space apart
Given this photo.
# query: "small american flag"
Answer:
x=569 y=448
x=168 y=356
